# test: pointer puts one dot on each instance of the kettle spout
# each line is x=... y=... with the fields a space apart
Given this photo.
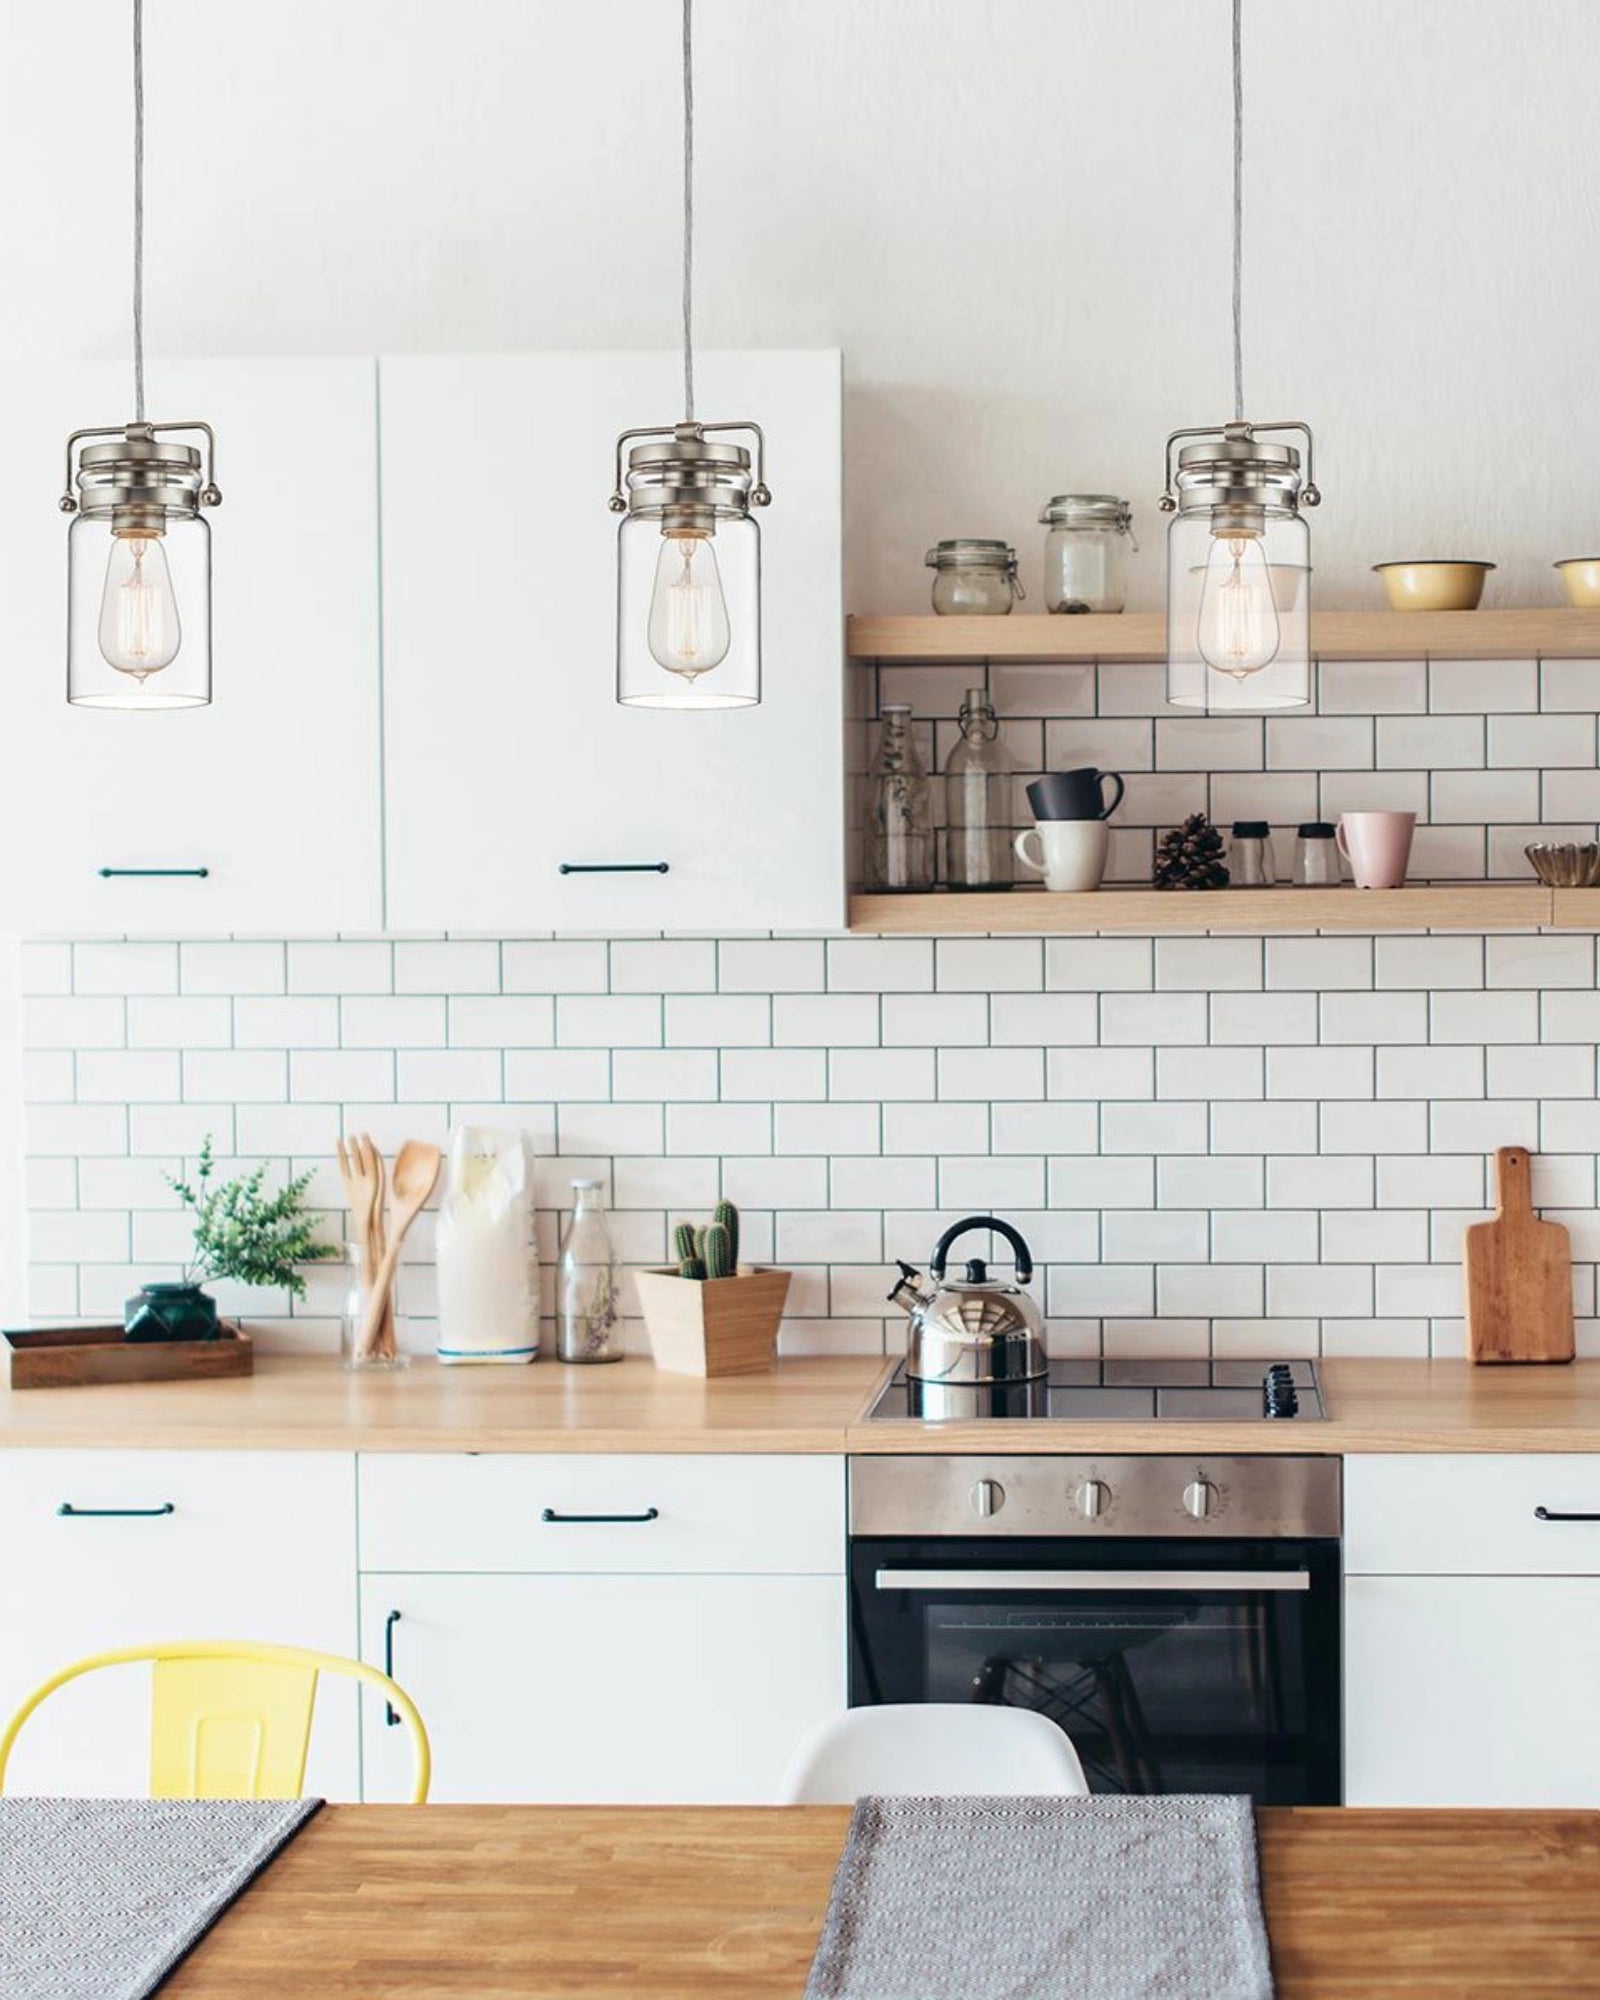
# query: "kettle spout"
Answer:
x=909 y=1293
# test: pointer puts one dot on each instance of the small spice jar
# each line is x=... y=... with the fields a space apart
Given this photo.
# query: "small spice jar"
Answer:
x=1316 y=856
x=1086 y=552
x=974 y=579
x=1250 y=855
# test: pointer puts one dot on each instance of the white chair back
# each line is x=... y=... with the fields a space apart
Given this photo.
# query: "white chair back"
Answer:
x=929 y=1748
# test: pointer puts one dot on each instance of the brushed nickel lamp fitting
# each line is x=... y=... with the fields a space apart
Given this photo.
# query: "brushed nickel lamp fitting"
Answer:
x=688 y=546
x=1238 y=548
x=139 y=547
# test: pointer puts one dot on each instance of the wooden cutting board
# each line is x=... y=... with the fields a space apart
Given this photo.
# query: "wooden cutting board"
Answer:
x=1519 y=1274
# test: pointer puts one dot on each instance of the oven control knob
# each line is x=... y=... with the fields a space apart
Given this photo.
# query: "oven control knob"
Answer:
x=1094 y=1497
x=1199 y=1499
x=988 y=1497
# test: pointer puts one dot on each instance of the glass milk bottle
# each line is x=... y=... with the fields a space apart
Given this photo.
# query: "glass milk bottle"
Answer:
x=977 y=796
x=898 y=842
x=588 y=1289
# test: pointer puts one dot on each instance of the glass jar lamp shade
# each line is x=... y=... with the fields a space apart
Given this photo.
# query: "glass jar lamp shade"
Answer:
x=688 y=570
x=138 y=572
x=1238 y=574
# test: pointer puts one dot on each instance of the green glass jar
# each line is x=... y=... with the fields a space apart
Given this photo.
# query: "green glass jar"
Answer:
x=170 y=1312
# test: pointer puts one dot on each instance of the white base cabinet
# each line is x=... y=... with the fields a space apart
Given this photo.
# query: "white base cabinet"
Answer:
x=158 y=1546
x=649 y=1690
x=1472 y=1630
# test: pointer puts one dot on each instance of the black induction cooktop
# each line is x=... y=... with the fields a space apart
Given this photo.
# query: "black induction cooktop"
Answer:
x=1111 y=1392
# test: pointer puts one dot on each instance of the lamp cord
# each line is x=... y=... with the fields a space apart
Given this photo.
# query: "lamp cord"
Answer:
x=138 y=210
x=688 y=208
x=1238 y=208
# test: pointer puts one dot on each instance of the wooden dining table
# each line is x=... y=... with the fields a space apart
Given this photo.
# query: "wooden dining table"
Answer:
x=709 y=1903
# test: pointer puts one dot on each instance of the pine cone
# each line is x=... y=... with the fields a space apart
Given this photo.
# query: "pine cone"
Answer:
x=1190 y=857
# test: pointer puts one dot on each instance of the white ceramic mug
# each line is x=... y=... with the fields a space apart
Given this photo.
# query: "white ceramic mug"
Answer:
x=1069 y=853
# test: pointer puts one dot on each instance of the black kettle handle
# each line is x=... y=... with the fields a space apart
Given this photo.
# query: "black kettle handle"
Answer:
x=1012 y=1236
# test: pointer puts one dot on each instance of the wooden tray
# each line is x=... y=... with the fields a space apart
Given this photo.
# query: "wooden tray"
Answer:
x=71 y=1357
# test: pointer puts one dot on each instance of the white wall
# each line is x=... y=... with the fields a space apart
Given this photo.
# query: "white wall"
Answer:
x=1011 y=214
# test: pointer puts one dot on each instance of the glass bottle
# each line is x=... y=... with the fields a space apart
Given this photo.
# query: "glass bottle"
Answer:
x=1250 y=855
x=588 y=1325
x=977 y=800
x=1316 y=856
x=1086 y=552
x=898 y=826
x=974 y=578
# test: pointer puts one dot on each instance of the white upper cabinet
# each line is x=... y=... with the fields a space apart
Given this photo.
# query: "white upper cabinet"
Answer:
x=507 y=755
x=273 y=789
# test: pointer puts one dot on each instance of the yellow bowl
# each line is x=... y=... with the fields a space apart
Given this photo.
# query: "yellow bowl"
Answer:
x=1581 y=575
x=1433 y=586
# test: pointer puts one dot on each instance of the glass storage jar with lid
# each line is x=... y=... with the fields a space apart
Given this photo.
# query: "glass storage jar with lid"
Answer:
x=1086 y=552
x=1250 y=855
x=974 y=578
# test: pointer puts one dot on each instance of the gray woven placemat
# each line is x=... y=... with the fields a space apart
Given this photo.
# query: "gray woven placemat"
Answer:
x=1046 y=1899
x=100 y=1898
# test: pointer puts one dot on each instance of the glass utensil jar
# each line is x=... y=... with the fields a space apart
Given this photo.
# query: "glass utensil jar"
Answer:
x=974 y=579
x=1250 y=855
x=898 y=824
x=1086 y=552
x=977 y=800
x=588 y=1289
x=353 y=1319
x=1316 y=856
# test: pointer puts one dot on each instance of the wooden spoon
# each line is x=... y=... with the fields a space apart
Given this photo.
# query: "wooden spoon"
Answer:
x=362 y=1190
x=416 y=1171
x=377 y=1242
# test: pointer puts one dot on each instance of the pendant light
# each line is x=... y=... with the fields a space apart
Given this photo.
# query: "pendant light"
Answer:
x=139 y=548
x=1238 y=549
x=688 y=547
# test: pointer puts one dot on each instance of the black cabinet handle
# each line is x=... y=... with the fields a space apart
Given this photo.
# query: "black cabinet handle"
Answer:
x=199 y=873
x=612 y=867
x=1544 y=1514
x=68 y=1512
x=391 y=1714
x=649 y=1514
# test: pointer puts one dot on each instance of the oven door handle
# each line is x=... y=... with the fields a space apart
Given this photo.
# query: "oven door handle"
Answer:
x=1081 y=1580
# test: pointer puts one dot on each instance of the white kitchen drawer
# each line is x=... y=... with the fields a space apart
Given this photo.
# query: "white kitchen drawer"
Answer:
x=256 y=1545
x=678 y=1515
x=1437 y=1514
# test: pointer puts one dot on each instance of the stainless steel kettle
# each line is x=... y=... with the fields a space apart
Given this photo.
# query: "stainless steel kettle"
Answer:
x=973 y=1329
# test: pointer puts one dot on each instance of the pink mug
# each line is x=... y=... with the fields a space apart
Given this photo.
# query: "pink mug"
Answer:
x=1377 y=846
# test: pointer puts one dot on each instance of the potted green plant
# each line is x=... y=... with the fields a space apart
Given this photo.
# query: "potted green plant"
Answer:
x=713 y=1315
x=241 y=1232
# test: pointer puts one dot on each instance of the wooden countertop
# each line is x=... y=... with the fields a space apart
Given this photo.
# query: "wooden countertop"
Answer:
x=697 y=1903
x=811 y=1404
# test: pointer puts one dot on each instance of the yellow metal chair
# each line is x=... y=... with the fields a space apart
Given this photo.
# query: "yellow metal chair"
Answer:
x=231 y=1718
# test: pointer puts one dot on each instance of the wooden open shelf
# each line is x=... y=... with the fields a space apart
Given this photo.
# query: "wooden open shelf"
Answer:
x=1467 y=906
x=1553 y=633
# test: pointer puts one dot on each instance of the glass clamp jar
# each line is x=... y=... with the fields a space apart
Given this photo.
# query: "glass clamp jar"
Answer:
x=1316 y=856
x=977 y=800
x=1250 y=855
x=897 y=822
x=588 y=1283
x=1086 y=552
x=974 y=579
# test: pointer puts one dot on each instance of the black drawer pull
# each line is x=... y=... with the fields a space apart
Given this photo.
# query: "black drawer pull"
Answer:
x=391 y=1715
x=612 y=867
x=199 y=874
x=67 y=1512
x=1544 y=1514
x=649 y=1514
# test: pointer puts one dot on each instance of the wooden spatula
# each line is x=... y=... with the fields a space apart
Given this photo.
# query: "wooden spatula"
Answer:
x=1519 y=1274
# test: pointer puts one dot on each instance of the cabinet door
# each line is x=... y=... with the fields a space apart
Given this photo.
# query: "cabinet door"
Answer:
x=507 y=754
x=257 y=1545
x=603 y=1689
x=272 y=789
x=1471 y=1691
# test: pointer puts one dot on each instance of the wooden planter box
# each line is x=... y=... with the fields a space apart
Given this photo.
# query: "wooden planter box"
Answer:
x=713 y=1326
x=73 y=1357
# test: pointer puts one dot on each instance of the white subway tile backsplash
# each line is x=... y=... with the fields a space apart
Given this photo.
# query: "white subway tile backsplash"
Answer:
x=1338 y=1181
x=333 y=1076
x=125 y=967
x=934 y=1020
x=1264 y=1019
x=1431 y=742
x=1424 y=963
x=1564 y=1069
x=1095 y=1073
x=828 y=1128
x=770 y=965
x=1153 y=1018
x=264 y=1022
x=1324 y=1072
x=991 y=1073
x=1433 y=1072
x=1215 y=1181
x=609 y=1021
x=659 y=1074
x=1374 y=1128
x=1482 y=687
x=989 y=965
x=1318 y=964
x=1319 y=743
x=1166 y=1236
x=1154 y=1128
x=1540 y=961
x=446 y=965
x=827 y=1020
x=1547 y=742
x=1264 y=1235
x=1484 y=1017
x=389 y=1022
x=1099 y=965
x=1479 y=797
x=1209 y=1073
x=1372 y=687
x=1084 y=1182
x=719 y=1021
x=767 y=1074
x=1043 y=1128
x=1371 y=1018
x=66 y=1021
x=1045 y=1020
x=880 y=965
x=233 y=1076
x=1209 y=964
x=1271 y=1127
x=564 y=965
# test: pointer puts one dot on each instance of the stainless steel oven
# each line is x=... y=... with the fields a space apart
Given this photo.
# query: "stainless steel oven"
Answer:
x=1179 y=1618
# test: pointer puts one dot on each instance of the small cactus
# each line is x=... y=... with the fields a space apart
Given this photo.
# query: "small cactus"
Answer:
x=691 y=1267
x=683 y=1243
x=727 y=1216
x=717 y=1252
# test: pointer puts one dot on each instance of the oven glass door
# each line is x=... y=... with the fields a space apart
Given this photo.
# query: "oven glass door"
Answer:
x=1173 y=1666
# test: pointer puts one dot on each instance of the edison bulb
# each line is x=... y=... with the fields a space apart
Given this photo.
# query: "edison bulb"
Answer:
x=1238 y=632
x=689 y=631
x=140 y=632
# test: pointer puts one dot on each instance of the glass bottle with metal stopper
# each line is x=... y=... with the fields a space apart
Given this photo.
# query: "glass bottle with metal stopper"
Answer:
x=588 y=1287
x=139 y=548
x=977 y=796
x=688 y=549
